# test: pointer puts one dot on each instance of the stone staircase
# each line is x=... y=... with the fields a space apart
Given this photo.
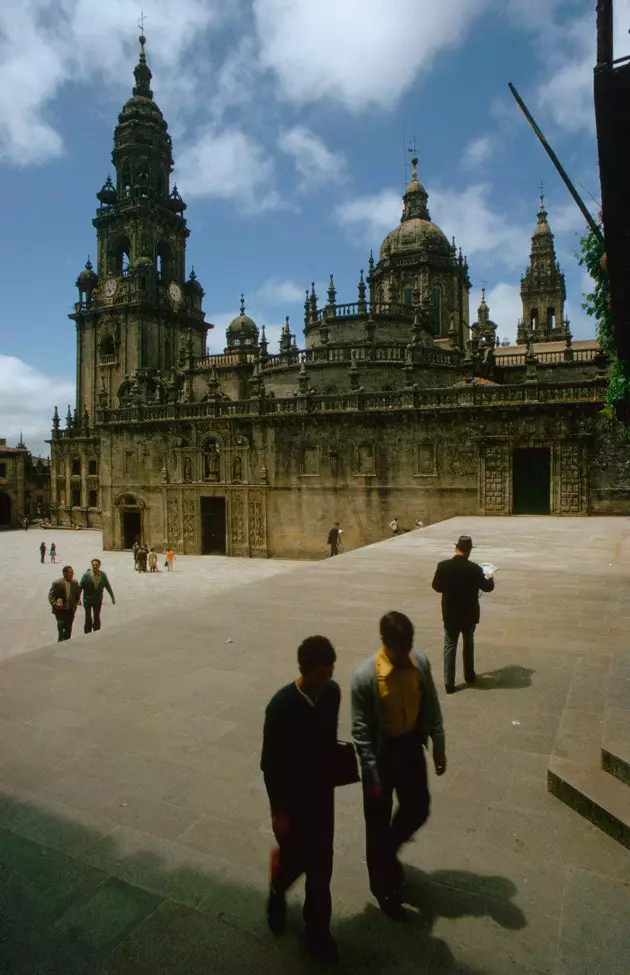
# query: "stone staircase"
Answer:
x=589 y=767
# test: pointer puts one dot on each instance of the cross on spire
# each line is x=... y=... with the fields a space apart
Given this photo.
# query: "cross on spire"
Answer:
x=141 y=21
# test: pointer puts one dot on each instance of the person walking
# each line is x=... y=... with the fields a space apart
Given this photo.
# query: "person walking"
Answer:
x=64 y=597
x=299 y=743
x=93 y=584
x=53 y=553
x=170 y=558
x=334 y=539
x=394 y=526
x=459 y=581
x=395 y=710
x=153 y=560
x=42 y=552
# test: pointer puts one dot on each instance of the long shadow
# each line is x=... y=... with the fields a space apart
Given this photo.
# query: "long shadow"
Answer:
x=511 y=677
x=71 y=902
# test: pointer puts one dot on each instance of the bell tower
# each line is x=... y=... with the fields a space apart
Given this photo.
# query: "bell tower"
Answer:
x=543 y=290
x=136 y=307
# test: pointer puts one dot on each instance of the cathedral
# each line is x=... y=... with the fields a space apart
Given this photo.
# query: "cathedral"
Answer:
x=395 y=404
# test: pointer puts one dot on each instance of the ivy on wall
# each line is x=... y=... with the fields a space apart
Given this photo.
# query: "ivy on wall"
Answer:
x=597 y=304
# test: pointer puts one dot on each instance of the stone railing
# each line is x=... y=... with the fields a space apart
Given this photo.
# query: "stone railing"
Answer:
x=369 y=352
x=225 y=359
x=449 y=398
x=382 y=309
x=574 y=355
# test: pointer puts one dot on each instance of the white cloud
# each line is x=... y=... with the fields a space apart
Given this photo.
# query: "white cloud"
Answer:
x=478 y=151
x=278 y=292
x=313 y=160
x=27 y=400
x=44 y=46
x=229 y=165
x=359 y=52
x=367 y=219
x=504 y=302
x=566 y=93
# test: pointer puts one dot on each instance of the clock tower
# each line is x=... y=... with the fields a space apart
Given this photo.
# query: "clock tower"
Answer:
x=137 y=307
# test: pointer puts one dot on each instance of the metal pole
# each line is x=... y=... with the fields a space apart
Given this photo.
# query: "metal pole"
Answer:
x=567 y=182
x=604 y=33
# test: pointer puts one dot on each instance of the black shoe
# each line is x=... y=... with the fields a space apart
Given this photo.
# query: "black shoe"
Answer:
x=472 y=679
x=392 y=906
x=323 y=948
x=276 y=911
x=449 y=688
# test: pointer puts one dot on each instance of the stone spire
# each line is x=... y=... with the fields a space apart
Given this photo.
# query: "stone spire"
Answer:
x=416 y=197
x=543 y=289
x=484 y=330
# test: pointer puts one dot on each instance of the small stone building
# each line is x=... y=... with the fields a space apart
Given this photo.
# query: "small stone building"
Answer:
x=24 y=485
x=397 y=405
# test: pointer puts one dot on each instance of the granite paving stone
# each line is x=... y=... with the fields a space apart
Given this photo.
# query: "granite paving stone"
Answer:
x=135 y=826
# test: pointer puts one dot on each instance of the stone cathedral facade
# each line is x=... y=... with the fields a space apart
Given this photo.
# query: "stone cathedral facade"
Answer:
x=396 y=404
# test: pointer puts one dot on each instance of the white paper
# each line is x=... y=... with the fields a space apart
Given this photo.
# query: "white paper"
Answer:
x=488 y=568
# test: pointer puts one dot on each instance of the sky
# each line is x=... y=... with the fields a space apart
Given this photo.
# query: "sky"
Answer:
x=292 y=123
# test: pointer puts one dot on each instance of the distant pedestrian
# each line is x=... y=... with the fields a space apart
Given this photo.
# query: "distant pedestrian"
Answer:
x=53 y=553
x=334 y=539
x=459 y=581
x=64 y=597
x=395 y=709
x=298 y=754
x=25 y=524
x=153 y=560
x=170 y=558
x=93 y=584
x=136 y=546
x=141 y=557
x=42 y=552
x=394 y=526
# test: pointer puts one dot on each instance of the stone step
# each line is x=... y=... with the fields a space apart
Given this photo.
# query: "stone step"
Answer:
x=616 y=731
x=575 y=774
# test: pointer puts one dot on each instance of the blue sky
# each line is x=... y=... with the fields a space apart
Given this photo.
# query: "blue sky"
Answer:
x=287 y=119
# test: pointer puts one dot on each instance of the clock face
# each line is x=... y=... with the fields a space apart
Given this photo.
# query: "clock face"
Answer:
x=110 y=287
x=175 y=292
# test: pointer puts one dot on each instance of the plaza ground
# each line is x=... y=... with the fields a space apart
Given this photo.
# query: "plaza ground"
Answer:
x=134 y=831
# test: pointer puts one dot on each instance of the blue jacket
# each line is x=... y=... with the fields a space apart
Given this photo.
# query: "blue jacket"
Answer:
x=368 y=719
x=93 y=595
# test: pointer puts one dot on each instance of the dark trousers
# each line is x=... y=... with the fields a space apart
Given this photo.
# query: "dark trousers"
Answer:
x=65 y=619
x=308 y=849
x=403 y=770
x=334 y=550
x=451 y=636
x=43 y=556
x=92 y=616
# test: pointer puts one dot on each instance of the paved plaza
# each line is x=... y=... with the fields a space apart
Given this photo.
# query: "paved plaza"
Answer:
x=134 y=828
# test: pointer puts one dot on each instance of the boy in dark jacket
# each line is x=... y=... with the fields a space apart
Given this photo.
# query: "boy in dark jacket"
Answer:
x=299 y=742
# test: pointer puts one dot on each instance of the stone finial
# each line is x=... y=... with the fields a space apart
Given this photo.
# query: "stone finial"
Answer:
x=56 y=421
x=242 y=305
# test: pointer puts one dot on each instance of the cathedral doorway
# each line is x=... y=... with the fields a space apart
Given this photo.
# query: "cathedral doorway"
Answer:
x=131 y=527
x=213 y=525
x=531 y=469
x=5 y=509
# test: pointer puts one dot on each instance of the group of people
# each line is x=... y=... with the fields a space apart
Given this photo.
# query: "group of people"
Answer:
x=395 y=710
x=52 y=552
x=144 y=557
x=333 y=541
x=65 y=597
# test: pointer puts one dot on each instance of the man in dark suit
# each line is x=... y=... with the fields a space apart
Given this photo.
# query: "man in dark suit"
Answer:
x=334 y=537
x=459 y=580
x=64 y=597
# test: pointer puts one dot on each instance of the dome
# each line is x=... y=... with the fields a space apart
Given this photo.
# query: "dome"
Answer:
x=87 y=279
x=242 y=327
x=413 y=235
x=192 y=285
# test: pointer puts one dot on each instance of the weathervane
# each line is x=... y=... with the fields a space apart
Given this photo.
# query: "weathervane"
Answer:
x=141 y=25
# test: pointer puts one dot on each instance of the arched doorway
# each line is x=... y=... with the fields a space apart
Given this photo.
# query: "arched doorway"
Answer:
x=5 y=509
x=131 y=526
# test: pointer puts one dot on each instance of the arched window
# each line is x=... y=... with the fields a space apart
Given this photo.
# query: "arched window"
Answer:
x=167 y=353
x=163 y=252
x=408 y=296
x=533 y=321
x=119 y=262
x=107 y=348
x=125 y=182
x=551 y=318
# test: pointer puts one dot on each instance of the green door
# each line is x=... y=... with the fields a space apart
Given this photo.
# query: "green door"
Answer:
x=531 y=477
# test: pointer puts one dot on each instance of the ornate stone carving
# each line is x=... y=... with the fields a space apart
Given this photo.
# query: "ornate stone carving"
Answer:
x=495 y=474
x=173 y=524
x=238 y=520
x=256 y=525
x=190 y=511
x=570 y=478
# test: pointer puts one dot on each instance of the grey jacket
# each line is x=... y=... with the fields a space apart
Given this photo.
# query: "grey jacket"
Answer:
x=368 y=719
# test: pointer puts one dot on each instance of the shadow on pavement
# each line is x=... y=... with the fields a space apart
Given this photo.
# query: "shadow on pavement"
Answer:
x=511 y=677
x=72 y=902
